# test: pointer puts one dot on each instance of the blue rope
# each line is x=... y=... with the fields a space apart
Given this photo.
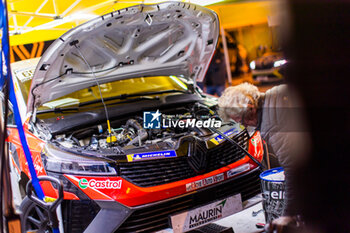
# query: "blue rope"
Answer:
x=6 y=75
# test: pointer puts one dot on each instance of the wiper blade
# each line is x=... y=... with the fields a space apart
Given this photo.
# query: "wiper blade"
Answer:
x=77 y=109
x=123 y=102
x=158 y=92
x=58 y=110
x=142 y=94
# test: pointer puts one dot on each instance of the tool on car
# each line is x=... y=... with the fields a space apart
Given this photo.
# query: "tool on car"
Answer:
x=255 y=213
x=239 y=146
x=236 y=144
x=110 y=137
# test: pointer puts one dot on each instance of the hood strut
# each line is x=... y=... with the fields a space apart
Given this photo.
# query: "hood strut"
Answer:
x=74 y=43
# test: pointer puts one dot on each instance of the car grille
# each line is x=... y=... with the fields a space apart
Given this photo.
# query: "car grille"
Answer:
x=155 y=217
x=163 y=171
x=77 y=215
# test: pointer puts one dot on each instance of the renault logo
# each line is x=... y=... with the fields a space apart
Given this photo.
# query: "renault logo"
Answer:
x=197 y=157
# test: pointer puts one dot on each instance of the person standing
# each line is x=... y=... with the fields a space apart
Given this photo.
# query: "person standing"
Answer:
x=216 y=76
x=276 y=114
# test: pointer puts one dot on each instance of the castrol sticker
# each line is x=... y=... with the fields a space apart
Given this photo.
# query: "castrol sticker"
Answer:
x=98 y=188
x=99 y=184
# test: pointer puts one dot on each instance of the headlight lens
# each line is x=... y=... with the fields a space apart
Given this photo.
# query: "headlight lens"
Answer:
x=279 y=63
x=55 y=160
x=252 y=65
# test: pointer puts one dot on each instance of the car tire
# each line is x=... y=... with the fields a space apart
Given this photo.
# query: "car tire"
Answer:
x=34 y=218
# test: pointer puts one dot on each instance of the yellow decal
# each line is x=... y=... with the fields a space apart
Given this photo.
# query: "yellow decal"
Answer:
x=213 y=140
x=49 y=199
x=130 y=157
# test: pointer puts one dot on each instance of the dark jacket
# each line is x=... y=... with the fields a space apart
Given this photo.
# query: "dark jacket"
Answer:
x=216 y=75
x=281 y=126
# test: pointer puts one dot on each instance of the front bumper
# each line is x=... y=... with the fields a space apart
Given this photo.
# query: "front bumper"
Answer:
x=115 y=217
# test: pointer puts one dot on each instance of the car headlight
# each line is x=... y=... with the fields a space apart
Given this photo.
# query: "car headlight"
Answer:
x=279 y=63
x=58 y=161
x=252 y=65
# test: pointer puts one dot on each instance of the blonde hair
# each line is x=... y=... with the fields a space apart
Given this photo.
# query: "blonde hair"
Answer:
x=236 y=100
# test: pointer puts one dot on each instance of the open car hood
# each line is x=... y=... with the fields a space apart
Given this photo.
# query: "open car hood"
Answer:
x=169 y=38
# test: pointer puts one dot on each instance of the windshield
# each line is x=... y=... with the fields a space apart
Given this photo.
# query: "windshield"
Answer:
x=24 y=78
x=89 y=98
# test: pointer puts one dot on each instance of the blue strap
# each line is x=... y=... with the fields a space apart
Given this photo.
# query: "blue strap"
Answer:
x=6 y=74
x=2 y=77
x=22 y=136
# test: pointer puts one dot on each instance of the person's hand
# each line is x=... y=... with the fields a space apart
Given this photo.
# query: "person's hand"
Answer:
x=282 y=224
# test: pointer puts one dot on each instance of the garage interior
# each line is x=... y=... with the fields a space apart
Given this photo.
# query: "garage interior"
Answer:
x=310 y=36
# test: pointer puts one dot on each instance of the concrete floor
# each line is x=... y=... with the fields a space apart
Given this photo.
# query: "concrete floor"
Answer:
x=244 y=222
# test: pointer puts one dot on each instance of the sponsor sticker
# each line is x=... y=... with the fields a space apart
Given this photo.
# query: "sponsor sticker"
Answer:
x=201 y=216
x=218 y=139
x=204 y=182
x=99 y=184
x=151 y=155
x=278 y=195
x=237 y=170
x=24 y=75
x=254 y=142
x=256 y=139
x=38 y=165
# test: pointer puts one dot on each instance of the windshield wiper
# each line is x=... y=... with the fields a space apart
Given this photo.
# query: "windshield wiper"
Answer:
x=121 y=102
x=77 y=109
x=143 y=95
x=58 y=110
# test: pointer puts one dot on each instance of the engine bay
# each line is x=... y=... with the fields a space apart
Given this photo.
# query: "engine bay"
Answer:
x=129 y=132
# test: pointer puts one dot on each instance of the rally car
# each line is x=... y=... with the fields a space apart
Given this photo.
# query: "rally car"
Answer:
x=113 y=111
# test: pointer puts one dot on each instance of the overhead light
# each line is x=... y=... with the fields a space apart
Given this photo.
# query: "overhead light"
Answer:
x=150 y=1
x=252 y=65
x=198 y=2
x=279 y=63
x=204 y=2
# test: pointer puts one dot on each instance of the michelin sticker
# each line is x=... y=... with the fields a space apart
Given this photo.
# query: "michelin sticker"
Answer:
x=201 y=216
x=151 y=155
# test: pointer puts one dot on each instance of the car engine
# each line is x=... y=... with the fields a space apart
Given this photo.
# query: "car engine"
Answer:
x=129 y=133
